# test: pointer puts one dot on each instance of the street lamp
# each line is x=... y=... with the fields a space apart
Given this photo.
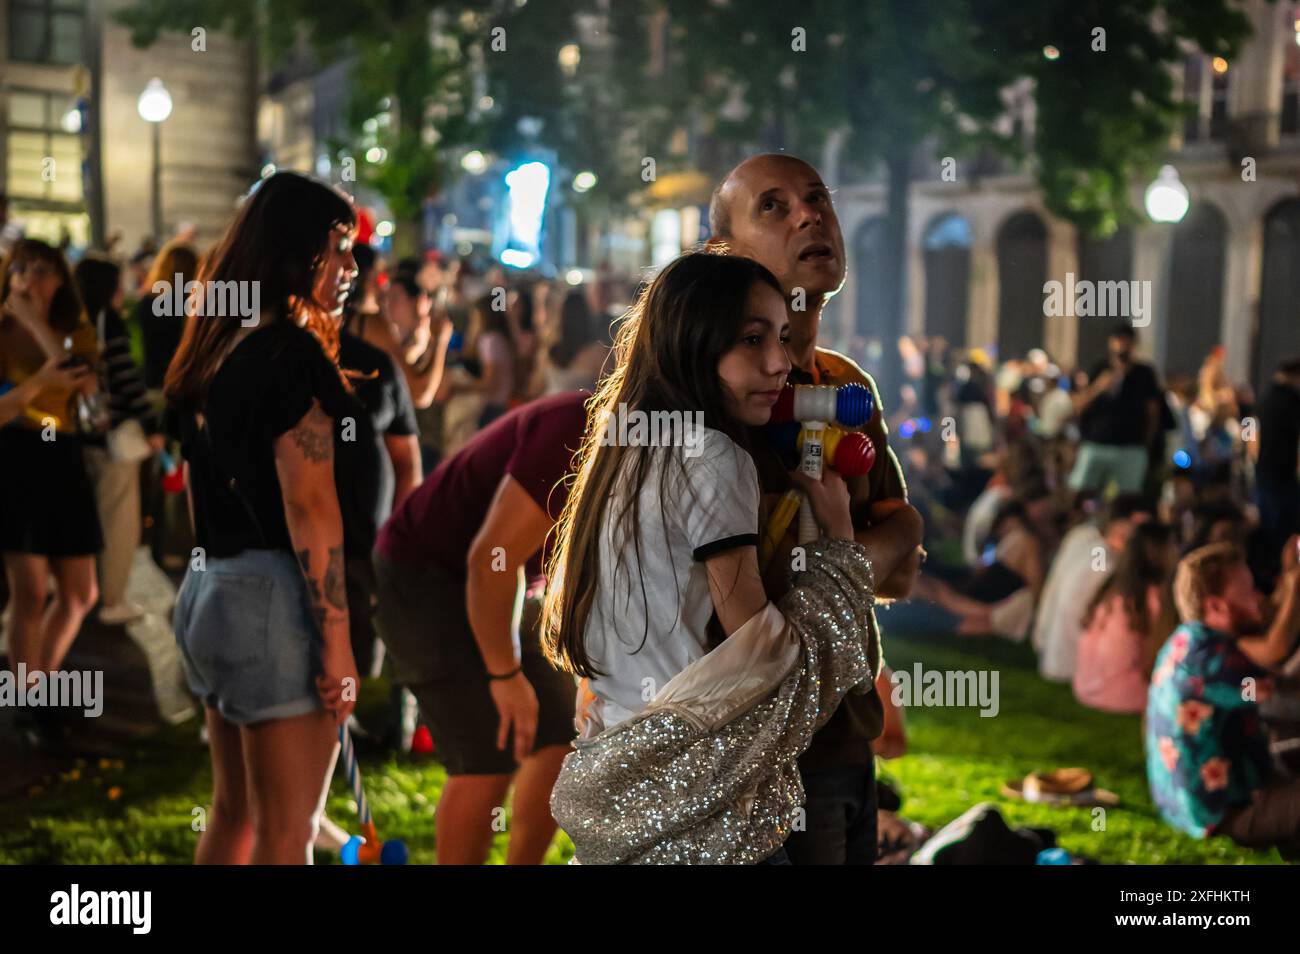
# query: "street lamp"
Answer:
x=154 y=106
x=1166 y=198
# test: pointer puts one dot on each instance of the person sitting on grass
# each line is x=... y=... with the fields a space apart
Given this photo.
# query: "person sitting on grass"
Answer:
x=1001 y=596
x=1126 y=622
x=1077 y=570
x=1207 y=752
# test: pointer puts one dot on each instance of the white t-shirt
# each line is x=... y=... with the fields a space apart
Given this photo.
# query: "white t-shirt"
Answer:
x=1071 y=584
x=709 y=508
x=979 y=522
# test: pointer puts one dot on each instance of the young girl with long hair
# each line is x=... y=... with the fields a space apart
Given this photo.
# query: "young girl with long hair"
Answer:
x=687 y=754
x=262 y=620
x=1127 y=622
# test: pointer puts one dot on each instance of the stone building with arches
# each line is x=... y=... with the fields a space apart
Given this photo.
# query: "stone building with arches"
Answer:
x=981 y=248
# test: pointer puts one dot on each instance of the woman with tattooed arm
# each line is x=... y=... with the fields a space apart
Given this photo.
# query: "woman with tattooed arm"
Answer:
x=261 y=617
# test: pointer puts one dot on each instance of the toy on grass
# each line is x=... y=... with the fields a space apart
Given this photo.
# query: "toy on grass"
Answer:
x=364 y=849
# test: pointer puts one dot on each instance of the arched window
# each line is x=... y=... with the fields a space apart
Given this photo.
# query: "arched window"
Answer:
x=946 y=245
x=1022 y=272
x=1195 y=312
x=1107 y=259
x=1277 y=336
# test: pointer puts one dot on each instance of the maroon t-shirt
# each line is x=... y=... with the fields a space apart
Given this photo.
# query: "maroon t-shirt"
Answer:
x=534 y=444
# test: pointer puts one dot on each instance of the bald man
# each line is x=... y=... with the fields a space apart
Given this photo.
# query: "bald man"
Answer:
x=776 y=210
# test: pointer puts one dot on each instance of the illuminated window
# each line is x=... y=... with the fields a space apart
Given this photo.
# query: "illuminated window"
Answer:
x=47 y=31
x=43 y=160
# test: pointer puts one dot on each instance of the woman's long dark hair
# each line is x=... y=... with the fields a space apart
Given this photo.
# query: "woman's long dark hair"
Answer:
x=1144 y=563
x=98 y=280
x=278 y=238
x=65 y=307
x=667 y=351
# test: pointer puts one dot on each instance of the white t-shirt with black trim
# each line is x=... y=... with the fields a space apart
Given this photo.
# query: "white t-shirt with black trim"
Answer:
x=710 y=505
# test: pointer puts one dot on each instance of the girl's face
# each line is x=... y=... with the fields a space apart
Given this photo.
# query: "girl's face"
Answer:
x=336 y=271
x=754 y=369
x=35 y=279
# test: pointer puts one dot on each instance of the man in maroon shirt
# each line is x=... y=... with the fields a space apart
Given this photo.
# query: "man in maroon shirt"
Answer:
x=449 y=565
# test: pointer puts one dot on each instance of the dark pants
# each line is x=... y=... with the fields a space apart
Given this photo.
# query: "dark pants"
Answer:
x=1272 y=818
x=840 y=816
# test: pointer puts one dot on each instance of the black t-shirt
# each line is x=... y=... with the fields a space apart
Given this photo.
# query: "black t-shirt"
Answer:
x=263 y=388
x=1279 y=435
x=161 y=336
x=1120 y=415
x=386 y=398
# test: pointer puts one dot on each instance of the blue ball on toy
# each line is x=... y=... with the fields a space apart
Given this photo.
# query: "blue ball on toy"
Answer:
x=393 y=853
x=854 y=405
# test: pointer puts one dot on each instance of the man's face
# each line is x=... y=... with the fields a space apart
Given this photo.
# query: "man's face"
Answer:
x=782 y=217
x=1121 y=350
x=1243 y=601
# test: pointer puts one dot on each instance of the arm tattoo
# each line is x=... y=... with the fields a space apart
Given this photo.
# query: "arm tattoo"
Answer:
x=313 y=435
x=336 y=580
x=313 y=590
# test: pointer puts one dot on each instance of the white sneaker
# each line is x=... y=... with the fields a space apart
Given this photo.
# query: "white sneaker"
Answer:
x=120 y=614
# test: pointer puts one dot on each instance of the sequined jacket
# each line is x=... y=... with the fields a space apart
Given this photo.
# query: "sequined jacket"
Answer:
x=707 y=773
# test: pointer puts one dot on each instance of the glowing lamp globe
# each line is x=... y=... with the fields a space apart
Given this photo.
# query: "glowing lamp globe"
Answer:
x=1166 y=198
x=155 y=103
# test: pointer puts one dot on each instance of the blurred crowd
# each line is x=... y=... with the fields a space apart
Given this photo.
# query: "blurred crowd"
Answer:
x=1095 y=512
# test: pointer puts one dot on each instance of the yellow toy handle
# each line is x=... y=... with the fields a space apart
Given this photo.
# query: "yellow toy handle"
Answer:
x=777 y=525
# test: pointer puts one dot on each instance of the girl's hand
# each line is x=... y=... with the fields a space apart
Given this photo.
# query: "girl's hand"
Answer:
x=829 y=498
x=24 y=307
x=516 y=704
x=337 y=684
x=53 y=374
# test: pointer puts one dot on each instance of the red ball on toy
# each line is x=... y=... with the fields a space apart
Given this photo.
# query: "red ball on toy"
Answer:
x=855 y=455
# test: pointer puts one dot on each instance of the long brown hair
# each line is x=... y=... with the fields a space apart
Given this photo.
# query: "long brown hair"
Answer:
x=1144 y=563
x=277 y=238
x=66 y=309
x=667 y=351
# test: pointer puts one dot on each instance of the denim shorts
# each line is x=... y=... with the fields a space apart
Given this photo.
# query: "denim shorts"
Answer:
x=250 y=648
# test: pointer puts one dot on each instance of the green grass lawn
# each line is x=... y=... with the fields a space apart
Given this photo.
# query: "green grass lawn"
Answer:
x=140 y=808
